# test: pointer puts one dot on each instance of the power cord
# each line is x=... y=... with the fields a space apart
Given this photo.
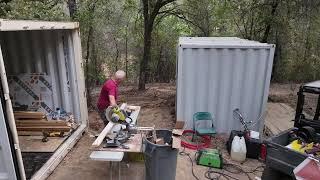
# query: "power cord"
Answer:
x=228 y=167
x=236 y=169
x=184 y=153
x=211 y=172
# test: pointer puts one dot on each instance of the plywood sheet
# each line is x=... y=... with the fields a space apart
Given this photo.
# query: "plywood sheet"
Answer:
x=35 y=144
x=279 y=117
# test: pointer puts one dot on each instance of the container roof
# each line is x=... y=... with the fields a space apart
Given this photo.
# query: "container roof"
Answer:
x=314 y=84
x=221 y=42
x=25 y=25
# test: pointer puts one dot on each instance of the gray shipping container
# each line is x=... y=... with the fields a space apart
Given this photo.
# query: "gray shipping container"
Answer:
x=220 y=74
x=37 y=47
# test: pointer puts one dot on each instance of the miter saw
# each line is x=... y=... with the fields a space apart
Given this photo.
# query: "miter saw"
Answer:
x=119 y=116
x=121 y=133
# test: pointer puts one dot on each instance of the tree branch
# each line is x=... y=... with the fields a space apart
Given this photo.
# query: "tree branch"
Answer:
x=181 y=16
x=158 y=6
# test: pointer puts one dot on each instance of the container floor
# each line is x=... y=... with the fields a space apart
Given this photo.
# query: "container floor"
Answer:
x=36 y=153
x=34 y=143
x=34 y=161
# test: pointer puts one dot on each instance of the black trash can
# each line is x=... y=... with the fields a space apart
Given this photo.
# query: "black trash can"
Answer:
x=160 y=160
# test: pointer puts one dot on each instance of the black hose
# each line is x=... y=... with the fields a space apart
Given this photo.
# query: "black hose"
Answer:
x=233 y=169
x=209 y=173
x=230 y=168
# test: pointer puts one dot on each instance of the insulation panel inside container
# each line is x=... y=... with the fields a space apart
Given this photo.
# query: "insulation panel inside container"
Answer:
x=41 y=70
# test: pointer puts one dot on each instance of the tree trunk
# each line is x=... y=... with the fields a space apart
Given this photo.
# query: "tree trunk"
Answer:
x=269 y=21
x=126 y=49
x=72 y=5
x=117 y=54
x=89 y=40
x=87 y=64
x=159 y=67
x=277 y=58
x=94 y=59
x=149 y=16
x=146 y=57
x=146 y=45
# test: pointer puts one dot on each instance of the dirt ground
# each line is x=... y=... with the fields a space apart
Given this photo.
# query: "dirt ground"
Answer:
x=287 y=93
x=157 y=104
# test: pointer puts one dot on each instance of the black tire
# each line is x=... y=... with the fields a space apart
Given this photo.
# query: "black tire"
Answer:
x=271 y=174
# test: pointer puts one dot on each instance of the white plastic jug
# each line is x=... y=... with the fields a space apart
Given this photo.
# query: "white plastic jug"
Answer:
x=238 y=149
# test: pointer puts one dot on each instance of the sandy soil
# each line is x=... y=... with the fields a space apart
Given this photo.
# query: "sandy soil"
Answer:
x=287 y=93
x=158 y=105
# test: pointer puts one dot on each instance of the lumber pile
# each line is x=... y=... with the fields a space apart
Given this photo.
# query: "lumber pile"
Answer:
x=42 y=125
x=37 y=121
x=29 y=115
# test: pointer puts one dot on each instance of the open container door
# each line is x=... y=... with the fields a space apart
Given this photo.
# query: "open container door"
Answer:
x=60 y=48
x=7 y=165
x=11 y=166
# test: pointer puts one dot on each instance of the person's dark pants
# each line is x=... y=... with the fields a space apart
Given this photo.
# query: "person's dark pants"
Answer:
x=103 y=116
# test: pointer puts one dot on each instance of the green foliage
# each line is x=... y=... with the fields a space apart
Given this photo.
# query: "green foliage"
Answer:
x=33 y=9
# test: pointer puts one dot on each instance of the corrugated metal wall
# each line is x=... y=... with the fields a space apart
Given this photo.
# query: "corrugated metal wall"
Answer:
x=44 y=52
x=218 y=80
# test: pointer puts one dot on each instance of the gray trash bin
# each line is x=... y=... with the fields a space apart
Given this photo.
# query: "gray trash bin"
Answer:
x=160 y=160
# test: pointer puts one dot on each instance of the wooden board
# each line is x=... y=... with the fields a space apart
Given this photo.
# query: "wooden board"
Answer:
x=177 y=132
x=29 y=133
x=41 y=123
x=179 y=125
x=37 y=133
x=30 y=119
x=35 y=144
x=44 y=128
x=134 y=144
x=134 y=115
x=29 y=115
x=176 y=142
x=279 y=117
x=103 y=134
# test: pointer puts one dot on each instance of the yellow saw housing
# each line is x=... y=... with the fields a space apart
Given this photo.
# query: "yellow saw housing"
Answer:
x=115 y=114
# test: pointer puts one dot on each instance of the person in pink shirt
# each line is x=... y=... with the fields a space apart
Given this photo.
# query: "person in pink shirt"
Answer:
x=109 y=94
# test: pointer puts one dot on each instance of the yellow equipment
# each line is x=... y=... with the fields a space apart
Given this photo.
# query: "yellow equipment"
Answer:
x=116 y=115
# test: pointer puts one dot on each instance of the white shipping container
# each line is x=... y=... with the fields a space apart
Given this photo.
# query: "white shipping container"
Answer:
x=220 y=74
x=52 y=49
